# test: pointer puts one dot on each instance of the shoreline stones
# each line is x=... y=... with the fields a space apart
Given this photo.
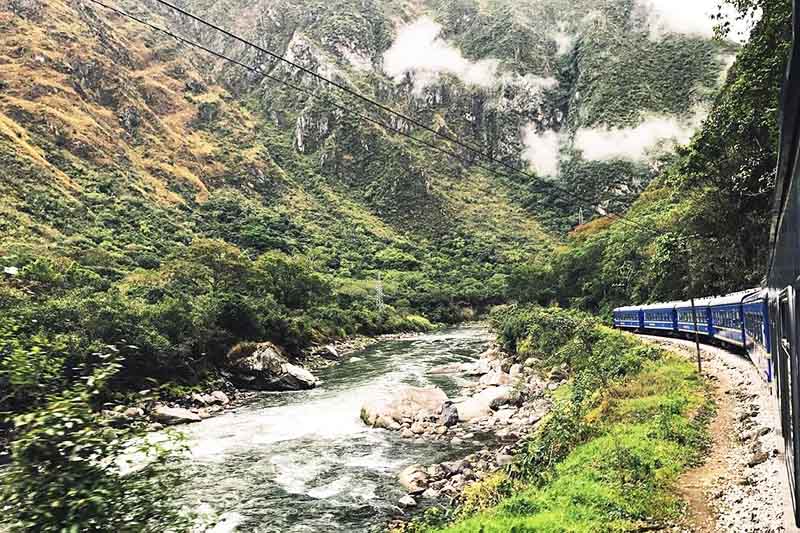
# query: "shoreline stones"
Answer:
x=171 y=416
x=406 y=407
x=506 y=401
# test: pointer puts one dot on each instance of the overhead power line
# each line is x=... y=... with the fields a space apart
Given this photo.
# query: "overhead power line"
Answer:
x=348 y=110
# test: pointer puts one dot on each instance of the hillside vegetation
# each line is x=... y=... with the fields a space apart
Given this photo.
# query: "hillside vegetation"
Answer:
x=157 y=199
x=148 y=207
x=702 y=227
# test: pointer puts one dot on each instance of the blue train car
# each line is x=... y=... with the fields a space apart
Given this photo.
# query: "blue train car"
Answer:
x=757 y=338
x=727 y=318
x=629 y=317
x=685 y=320
x=660 y=317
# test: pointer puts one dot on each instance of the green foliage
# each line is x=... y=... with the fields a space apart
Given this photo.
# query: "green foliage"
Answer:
x=30 y=368
x=679 y=240
x=608 y=455
x=485 y=494
x=68 y=469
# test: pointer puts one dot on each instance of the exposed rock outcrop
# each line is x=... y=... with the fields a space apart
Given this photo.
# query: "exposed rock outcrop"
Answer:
x=265 y=367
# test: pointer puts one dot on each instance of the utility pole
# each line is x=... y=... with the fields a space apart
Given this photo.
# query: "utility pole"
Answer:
x=580 y=217
x=697 y=339
x=379 y=294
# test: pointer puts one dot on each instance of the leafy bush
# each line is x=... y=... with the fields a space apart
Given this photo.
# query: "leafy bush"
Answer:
x=607 y=456
x=67 y=470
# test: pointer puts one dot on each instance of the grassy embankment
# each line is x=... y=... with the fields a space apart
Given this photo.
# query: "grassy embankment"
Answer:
x=631 y=419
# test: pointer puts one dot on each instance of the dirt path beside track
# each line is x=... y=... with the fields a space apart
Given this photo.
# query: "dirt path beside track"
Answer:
x=742 y=486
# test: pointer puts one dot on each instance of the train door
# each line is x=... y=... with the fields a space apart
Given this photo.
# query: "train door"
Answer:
x=787 y=361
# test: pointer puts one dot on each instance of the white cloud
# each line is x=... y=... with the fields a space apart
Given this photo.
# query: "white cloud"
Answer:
x=564 y=41
x=635 y=143
x=541 y=150
x=420 y=51
x=691 y=17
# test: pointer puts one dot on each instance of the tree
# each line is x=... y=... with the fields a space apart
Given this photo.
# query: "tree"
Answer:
x=66 y=473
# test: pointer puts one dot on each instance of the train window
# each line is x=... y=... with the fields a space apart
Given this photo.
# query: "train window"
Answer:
x=686 y=316
x=659 y=316
x=727 y=319
x=754 y=326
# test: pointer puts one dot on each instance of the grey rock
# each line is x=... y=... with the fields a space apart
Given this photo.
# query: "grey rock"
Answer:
x=402 y=403
x=758 y=458
x=330 y=353
x=448 y=415
x=496 y=378
x=503 y=460
x=218 y=397
x=264 y=367
x=430 y=494
x=174 y=415
x=414 y=479
x=407 y=502
x=479 y=405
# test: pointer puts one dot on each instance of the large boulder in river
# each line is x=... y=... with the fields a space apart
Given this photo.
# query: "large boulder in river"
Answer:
x=480 y=405
x=174 y=415
x=264 y=367
x=402 y=402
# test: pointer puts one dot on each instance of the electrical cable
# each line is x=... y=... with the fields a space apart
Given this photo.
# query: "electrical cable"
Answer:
x=362 y=116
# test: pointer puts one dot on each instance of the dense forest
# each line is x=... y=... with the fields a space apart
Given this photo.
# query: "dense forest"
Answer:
x=160 y=207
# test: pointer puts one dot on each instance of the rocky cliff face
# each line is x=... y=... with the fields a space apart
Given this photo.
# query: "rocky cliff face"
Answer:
x=581 y=93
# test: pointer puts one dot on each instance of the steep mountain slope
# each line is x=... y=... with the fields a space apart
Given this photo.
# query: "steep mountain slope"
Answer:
x=144 y=203
x=156 y=197
x=105 y=122
x=543 y=81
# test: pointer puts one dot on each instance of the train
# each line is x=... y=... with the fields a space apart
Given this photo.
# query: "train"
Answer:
x=761 y=322
x=738 y=321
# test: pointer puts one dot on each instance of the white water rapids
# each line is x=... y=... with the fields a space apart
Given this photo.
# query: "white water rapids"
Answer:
x=304 y=462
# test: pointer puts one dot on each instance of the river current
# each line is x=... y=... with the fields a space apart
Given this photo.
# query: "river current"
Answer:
x=304 y=462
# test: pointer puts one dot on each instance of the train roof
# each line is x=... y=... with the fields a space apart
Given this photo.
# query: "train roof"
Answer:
x=698 y=302
x=733 y=298
x=759 y=294
x=627 y=308
x=665 y=305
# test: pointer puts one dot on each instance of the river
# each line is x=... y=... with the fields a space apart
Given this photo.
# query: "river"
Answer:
x=304 y=462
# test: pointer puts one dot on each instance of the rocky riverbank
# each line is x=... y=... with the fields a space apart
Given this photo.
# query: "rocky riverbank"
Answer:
x=248 y=370
x=503 y=404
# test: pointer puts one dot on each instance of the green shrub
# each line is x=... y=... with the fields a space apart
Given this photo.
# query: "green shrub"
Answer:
x=67 y=470
x=606 y=457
